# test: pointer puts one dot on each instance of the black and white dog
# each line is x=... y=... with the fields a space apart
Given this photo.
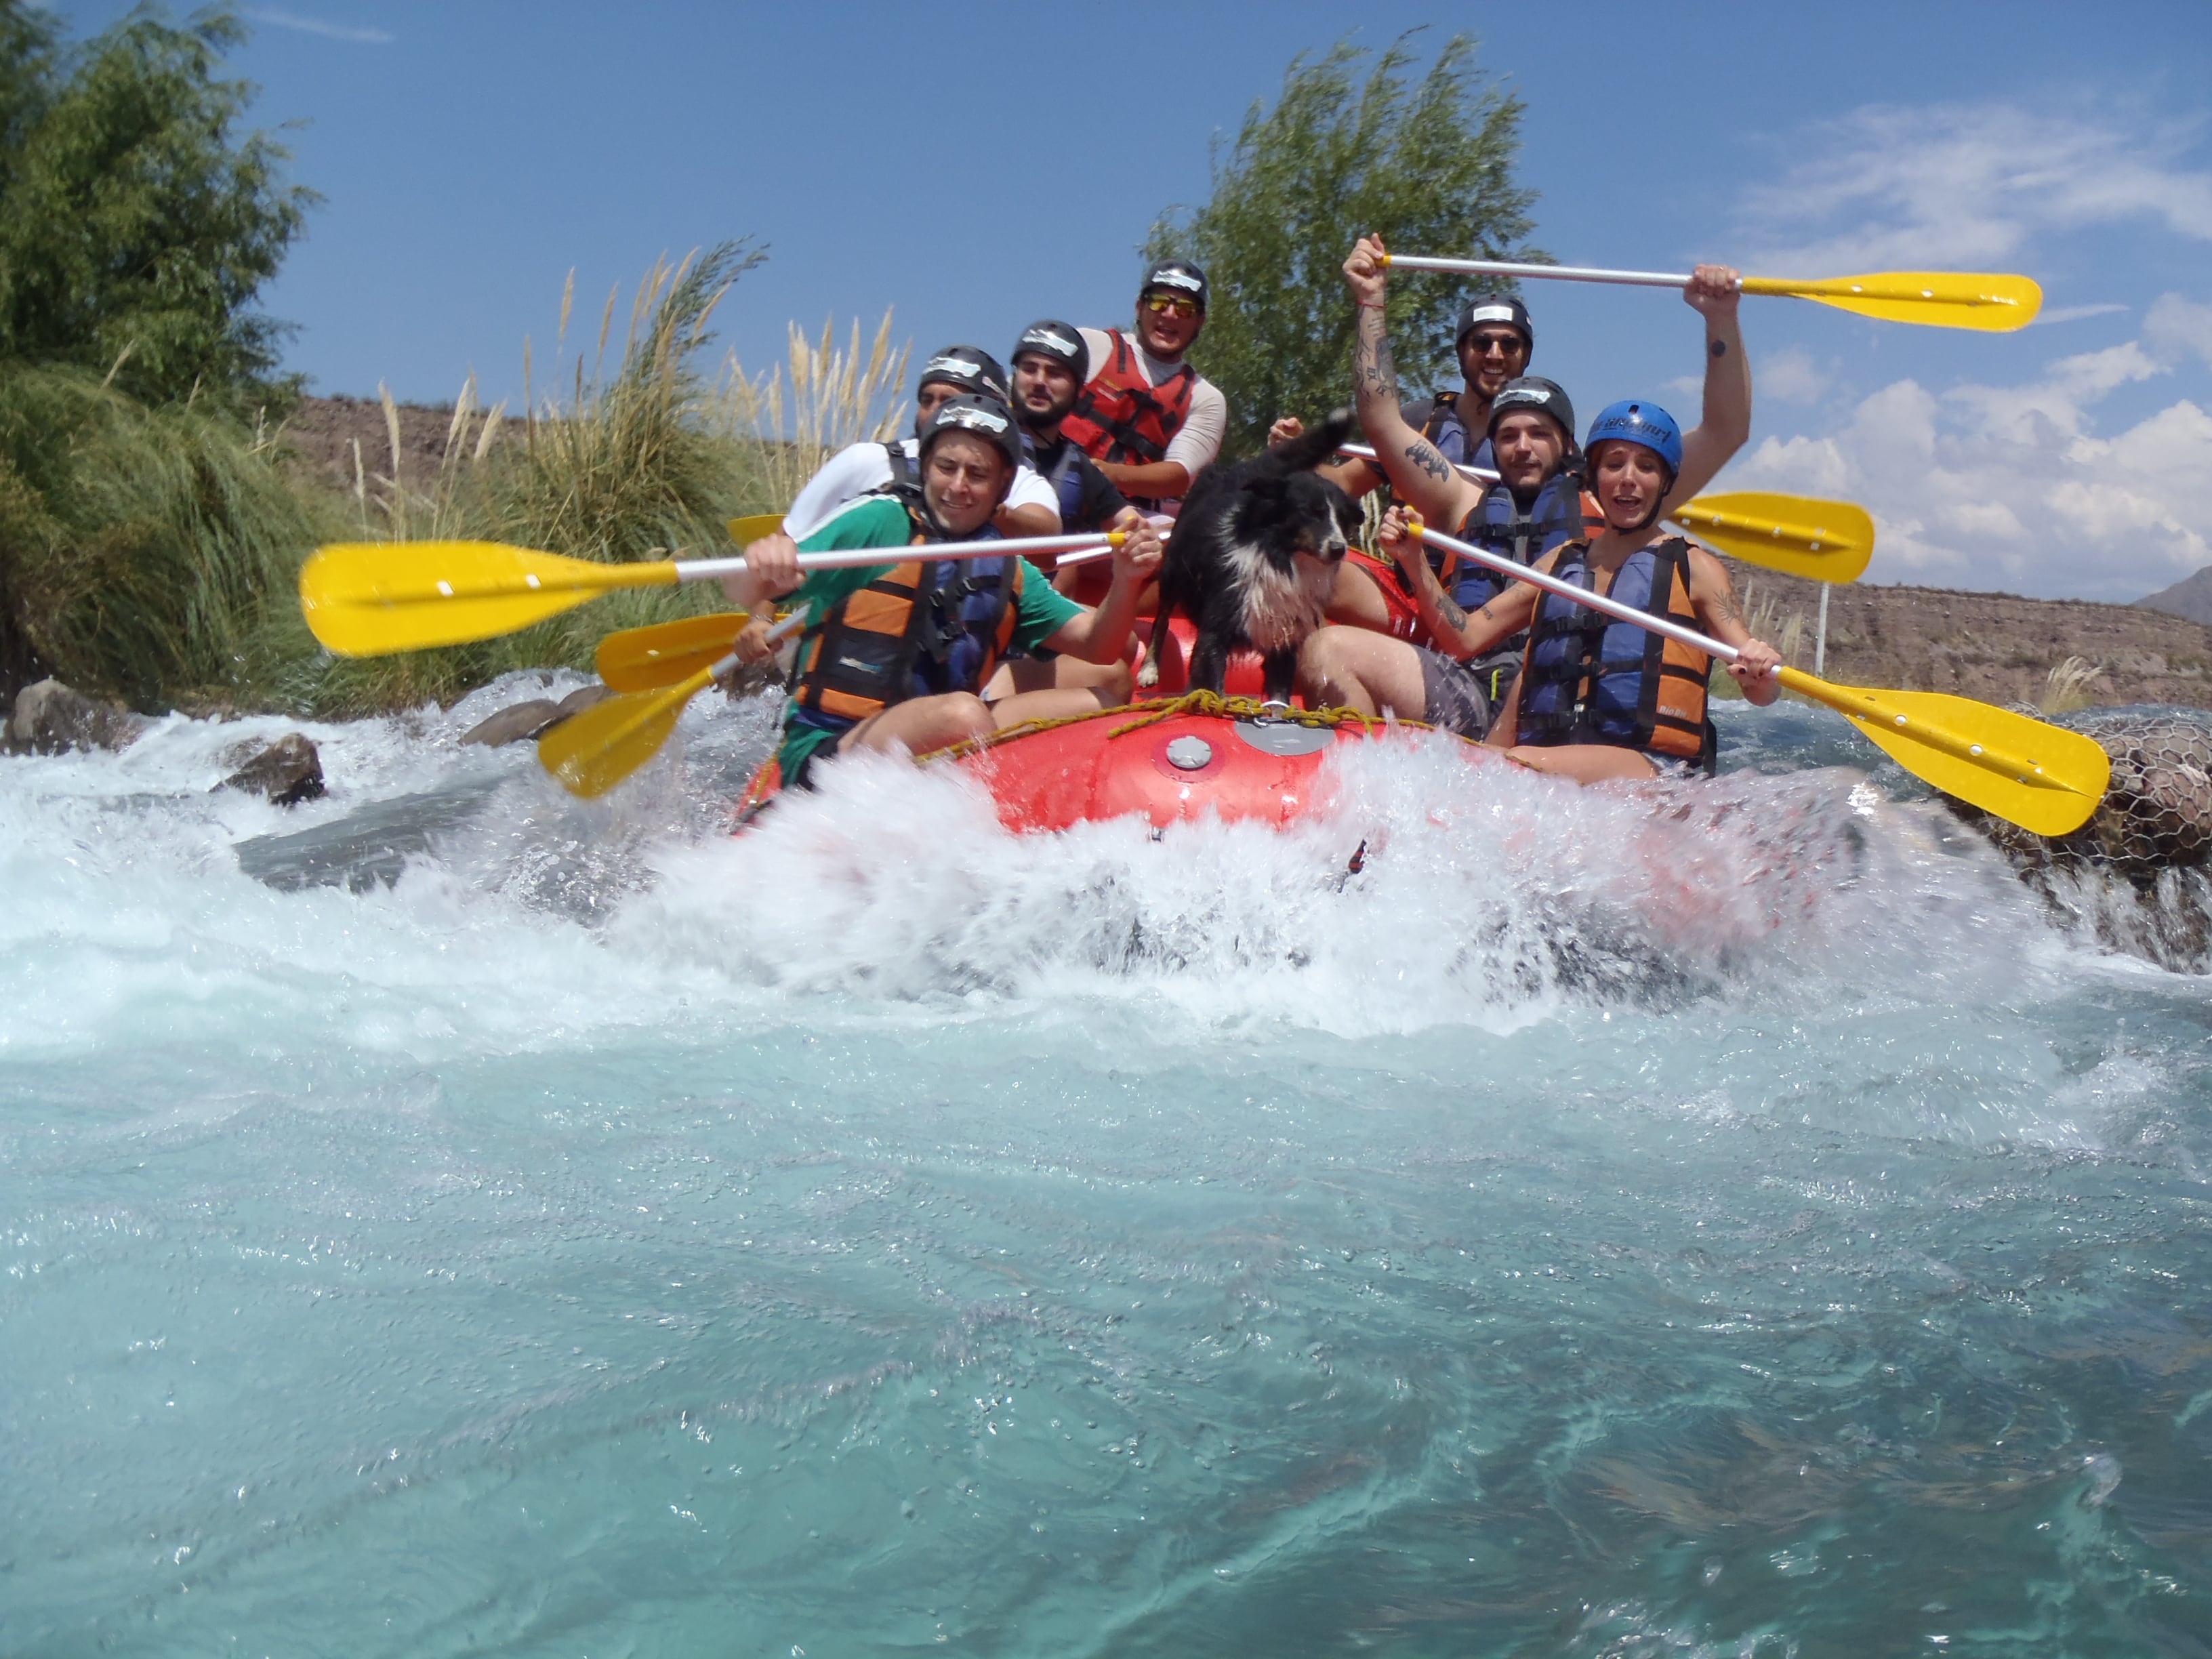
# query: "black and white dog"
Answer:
x=1253 y=558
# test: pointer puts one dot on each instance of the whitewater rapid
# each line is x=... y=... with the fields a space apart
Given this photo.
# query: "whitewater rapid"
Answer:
x=878 y=1230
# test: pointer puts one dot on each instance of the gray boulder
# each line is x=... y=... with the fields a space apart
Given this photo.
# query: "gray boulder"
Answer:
x=288 y=771
x=51 y=719
x=533 y=719
x=514 y=723
x=583 y=698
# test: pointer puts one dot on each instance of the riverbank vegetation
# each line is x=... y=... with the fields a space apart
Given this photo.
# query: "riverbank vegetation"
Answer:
x=153 y=511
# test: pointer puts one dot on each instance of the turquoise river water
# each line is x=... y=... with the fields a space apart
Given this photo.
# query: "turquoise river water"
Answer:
x=1733 y=1220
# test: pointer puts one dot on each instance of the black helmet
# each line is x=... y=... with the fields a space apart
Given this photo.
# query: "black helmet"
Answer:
x=1060 y=342
x=986 y=418
x=1496 y=308
x=969 y=367
x=1534 y=391
x=1176 y=276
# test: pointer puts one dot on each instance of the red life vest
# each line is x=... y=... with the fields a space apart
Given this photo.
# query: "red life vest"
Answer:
x=1122 y=418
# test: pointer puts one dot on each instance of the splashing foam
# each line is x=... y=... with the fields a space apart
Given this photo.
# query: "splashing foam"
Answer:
x=1488 y=894
x=1489 y=897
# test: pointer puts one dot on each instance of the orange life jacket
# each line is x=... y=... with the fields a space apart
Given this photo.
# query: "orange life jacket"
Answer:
x=923 y=628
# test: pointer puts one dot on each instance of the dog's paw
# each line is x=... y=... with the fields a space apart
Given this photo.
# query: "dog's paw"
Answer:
x=1149 y=675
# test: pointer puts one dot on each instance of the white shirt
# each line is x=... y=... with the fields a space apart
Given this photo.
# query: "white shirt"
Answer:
x=1198 y=440
x=858 y=468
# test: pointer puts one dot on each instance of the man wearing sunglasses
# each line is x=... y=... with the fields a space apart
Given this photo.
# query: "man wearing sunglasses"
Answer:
x=1149 y=419
x=1496 y=340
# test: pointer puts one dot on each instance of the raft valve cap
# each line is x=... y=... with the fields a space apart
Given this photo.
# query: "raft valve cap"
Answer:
x=1188 y=754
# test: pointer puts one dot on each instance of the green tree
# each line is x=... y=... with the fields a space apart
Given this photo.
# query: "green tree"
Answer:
x=137 y=222
x=1429 y=164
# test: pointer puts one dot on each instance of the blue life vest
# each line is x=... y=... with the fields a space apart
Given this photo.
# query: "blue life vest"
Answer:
x=1065 y=475
x=1443 y=427
x=1499 y=525
x=924 y=628
x=1590 y=679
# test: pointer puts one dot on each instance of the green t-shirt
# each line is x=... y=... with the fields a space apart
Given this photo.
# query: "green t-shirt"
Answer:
x=1040 y=611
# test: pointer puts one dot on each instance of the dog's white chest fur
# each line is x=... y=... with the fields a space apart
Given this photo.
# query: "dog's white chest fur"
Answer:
x=1279 y=607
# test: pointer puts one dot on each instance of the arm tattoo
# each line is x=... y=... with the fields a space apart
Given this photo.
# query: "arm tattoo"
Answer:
x=1720 y=348
x=1374 y=370
x=1431 y=600
x=1725 y=606
x=1423 y=454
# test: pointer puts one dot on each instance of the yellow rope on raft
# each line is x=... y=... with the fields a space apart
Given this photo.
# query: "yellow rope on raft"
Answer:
x=1151 y=714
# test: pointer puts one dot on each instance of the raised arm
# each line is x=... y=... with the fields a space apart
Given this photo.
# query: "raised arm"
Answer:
x=1724 y=425
x=1421 y=477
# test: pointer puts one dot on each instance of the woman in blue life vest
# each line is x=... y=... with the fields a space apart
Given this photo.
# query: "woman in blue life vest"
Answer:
x=897 y=655
x=1597 y=698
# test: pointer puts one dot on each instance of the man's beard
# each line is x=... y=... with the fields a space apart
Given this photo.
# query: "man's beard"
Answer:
x=1049 y=419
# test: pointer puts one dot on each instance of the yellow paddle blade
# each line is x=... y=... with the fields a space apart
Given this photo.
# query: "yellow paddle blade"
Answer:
x=1945 y=299
x=593 y=751
x=753 y=527
x=1801 y=535
x=369 y=599
x=2040 y=776
x=646 y=659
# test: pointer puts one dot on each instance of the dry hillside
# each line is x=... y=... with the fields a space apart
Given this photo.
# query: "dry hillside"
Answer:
x=1997 y=646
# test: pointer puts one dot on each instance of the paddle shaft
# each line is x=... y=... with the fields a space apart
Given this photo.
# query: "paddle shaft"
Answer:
x=1850 y=701
x=668 y=573
x=1362 y=452
x=1566 y=273
x=847 y=558
x=1896 y=287
x=1567 y=590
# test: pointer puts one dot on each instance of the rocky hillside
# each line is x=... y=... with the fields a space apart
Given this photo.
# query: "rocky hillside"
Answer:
x=1997 y=646
x=324 y=431
x=2190 y=596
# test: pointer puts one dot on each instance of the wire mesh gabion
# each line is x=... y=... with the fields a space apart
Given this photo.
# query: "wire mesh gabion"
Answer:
x=2135 y=875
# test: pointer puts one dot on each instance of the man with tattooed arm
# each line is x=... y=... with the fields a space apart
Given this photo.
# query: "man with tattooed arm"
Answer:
x=1538 y=507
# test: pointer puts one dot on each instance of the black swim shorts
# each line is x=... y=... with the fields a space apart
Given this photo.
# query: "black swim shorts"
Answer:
x=1455 y=693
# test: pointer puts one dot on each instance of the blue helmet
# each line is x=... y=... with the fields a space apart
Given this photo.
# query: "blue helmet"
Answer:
x=1639 y=424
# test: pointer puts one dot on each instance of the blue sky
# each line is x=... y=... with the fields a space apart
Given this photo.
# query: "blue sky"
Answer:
x=977 y=166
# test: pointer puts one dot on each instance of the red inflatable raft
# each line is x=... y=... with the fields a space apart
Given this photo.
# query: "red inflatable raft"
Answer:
x=1177 y=756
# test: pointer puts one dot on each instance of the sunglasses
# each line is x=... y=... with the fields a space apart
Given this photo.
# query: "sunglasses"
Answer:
x=1506 y=345
x=1182 y=304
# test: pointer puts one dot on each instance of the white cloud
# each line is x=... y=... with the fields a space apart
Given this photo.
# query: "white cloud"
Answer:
x=1790 y=376
x=2179 y=328
x=2011 y=486
x=285 y=20
x=1965 y=185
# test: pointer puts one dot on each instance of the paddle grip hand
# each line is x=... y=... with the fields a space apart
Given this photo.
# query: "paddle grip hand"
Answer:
x=1755 y=661
x=1137 y=556
x=771 y=571
x=752 y=642
x=1366 y=272
x=1394 y=536
x=1714 y=291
